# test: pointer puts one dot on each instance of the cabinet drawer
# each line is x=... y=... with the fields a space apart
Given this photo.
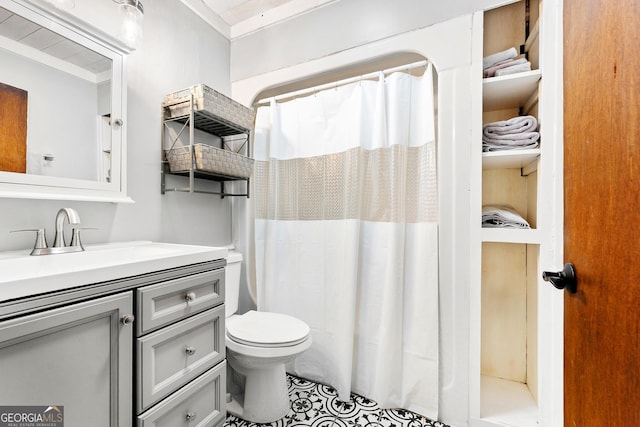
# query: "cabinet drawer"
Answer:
x=173 y=356
x=201 y=403
x=167 y=302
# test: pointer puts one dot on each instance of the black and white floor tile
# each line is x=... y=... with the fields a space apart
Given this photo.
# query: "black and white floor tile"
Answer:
x=317 y=405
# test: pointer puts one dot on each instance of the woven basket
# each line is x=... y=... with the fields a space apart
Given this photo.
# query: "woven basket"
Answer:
x=211 y=160
x=210 y=103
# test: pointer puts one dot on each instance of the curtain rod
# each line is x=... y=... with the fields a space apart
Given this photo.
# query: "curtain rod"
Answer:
x=318 y=88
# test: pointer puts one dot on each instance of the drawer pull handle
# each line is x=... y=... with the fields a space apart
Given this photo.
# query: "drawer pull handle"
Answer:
x=127 y=319
x=191 y=416
x=190 y=297
x=190 y=350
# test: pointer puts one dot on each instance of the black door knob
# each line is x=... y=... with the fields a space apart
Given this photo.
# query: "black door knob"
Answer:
x=565 y=279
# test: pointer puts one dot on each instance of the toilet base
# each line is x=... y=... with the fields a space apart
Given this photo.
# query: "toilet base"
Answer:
x=264 y=396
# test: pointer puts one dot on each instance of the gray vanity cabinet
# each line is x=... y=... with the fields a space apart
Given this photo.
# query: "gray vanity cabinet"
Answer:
x=145 y=349
x=78 y=357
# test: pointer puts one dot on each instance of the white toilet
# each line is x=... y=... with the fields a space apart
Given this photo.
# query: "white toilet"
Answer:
x=259 y=344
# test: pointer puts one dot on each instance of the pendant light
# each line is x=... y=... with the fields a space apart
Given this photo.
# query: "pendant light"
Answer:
x=131 y=27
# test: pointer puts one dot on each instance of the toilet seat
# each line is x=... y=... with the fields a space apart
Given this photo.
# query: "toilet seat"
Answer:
x=267 y=330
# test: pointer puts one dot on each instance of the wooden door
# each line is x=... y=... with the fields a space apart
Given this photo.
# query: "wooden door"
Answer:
x=13 y=129
x=602 y=211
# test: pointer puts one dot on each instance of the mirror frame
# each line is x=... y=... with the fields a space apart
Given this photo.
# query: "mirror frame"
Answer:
x=31 y=186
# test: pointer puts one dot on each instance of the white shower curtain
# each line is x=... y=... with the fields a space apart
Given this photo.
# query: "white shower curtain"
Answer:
x=346 y=213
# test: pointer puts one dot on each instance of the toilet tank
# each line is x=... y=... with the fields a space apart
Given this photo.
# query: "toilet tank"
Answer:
x=232 y=282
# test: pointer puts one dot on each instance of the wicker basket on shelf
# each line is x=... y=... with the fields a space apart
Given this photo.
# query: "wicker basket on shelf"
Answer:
x=210 y=103
x=211 y=160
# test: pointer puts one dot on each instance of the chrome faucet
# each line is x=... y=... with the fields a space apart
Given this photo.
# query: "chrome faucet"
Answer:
x=72 y=218
x=58 y=247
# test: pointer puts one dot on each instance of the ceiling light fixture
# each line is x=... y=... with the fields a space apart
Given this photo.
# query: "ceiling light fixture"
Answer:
x=131 y=28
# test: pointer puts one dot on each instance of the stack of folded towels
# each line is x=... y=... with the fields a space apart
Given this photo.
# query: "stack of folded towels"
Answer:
x=518 y=133
x=503 y=63
x=502 y=217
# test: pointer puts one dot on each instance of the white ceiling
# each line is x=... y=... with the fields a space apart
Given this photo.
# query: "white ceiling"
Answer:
x=235 y=11
x=235 y=18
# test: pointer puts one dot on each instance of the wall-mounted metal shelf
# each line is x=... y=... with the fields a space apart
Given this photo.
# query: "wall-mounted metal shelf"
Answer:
x=201 y=108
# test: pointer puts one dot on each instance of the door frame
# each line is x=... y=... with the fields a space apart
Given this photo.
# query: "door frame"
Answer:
x=551 y=327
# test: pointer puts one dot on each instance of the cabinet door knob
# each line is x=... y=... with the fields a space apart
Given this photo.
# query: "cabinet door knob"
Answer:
x=127 y=319
x=190 y=296
x=565 y=279
x=190 y=350
x=191 y=416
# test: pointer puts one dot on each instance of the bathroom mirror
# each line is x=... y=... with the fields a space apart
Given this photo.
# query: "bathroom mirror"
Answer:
x=62 y=107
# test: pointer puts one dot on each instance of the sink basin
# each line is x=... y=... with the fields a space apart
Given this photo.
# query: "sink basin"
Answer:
x=24 y=275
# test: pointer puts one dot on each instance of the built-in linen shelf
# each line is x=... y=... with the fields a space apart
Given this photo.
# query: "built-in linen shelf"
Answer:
x=506 y=403
x=510 y=91
x=511 y=235
x=511 y=159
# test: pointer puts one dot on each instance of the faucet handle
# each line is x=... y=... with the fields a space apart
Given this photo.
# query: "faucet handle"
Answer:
x=75 y=236
x=41 y=239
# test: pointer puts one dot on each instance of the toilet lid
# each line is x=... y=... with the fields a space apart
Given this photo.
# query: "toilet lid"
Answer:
x=261 y=329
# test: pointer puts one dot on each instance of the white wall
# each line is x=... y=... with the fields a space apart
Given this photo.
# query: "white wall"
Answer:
x=178 y=50
x=338 y=26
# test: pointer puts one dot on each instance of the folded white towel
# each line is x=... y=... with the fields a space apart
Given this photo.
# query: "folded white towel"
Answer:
x=502 y=217
x=512 y=136
x=493 y=70
x=490 y=60
x=517 y=133
x=520 y=141
x=528 y=144
x=516 y=124
x=516 y=68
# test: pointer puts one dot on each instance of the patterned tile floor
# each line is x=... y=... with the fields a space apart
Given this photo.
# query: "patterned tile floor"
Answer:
x=317 y=405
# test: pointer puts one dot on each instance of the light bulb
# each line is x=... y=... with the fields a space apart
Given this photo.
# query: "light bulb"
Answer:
x=131 y=27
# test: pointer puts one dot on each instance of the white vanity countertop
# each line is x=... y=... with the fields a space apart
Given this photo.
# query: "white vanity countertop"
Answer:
x=22 y=275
